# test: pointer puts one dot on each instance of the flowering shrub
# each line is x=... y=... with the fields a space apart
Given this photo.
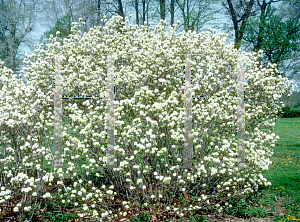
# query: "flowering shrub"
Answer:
x=149 y=122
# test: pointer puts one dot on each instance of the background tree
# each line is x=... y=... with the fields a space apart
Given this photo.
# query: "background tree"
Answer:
x=162 y=4
x=292 y=101
x=141 y=10
x=16 y=22
x=290 y=10
x=137 y=11
x=120 y=9
x=63 y=25
x=196 y=14
x=265 y=9
x=239 y=13
x=54 y=11
x=278 y=39
x=91 y=11
x=146 y=11
x=172 y=7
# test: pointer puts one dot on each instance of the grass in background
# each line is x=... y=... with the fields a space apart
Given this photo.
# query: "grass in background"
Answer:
x=284 y=173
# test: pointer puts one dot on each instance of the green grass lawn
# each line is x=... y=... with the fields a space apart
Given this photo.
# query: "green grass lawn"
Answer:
x=284 y=174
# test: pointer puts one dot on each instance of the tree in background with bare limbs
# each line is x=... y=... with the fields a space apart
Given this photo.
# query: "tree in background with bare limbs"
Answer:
x=16 y=22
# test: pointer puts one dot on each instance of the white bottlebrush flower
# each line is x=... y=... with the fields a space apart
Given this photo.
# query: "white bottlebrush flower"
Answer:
x=167 y=179
x=181 y=181
x=95 y=213
x=136 y=167
x=27 y=208
x=26 y=190
x=213 y=171
x=202 y=168
x=109 y=192
x=88 y=196
x=16 y=209
x=47 y=195
x=38 y=166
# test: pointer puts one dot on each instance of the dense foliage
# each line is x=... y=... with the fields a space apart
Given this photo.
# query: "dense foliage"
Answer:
x=288 y=112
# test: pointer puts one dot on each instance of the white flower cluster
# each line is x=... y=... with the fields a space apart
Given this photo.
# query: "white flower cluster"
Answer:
x=148 y=95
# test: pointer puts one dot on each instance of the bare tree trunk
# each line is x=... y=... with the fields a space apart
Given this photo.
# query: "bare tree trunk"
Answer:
x=185 y=16
x=144 y=11
x=148 y=13
x=182 y=7
x=137 y=12
x=172 y=12
x=262 y=24
x=13 y=30
x=162 y=9
x=188 y=13
x=239 y=32
x=120 y=9
x=98 y=13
